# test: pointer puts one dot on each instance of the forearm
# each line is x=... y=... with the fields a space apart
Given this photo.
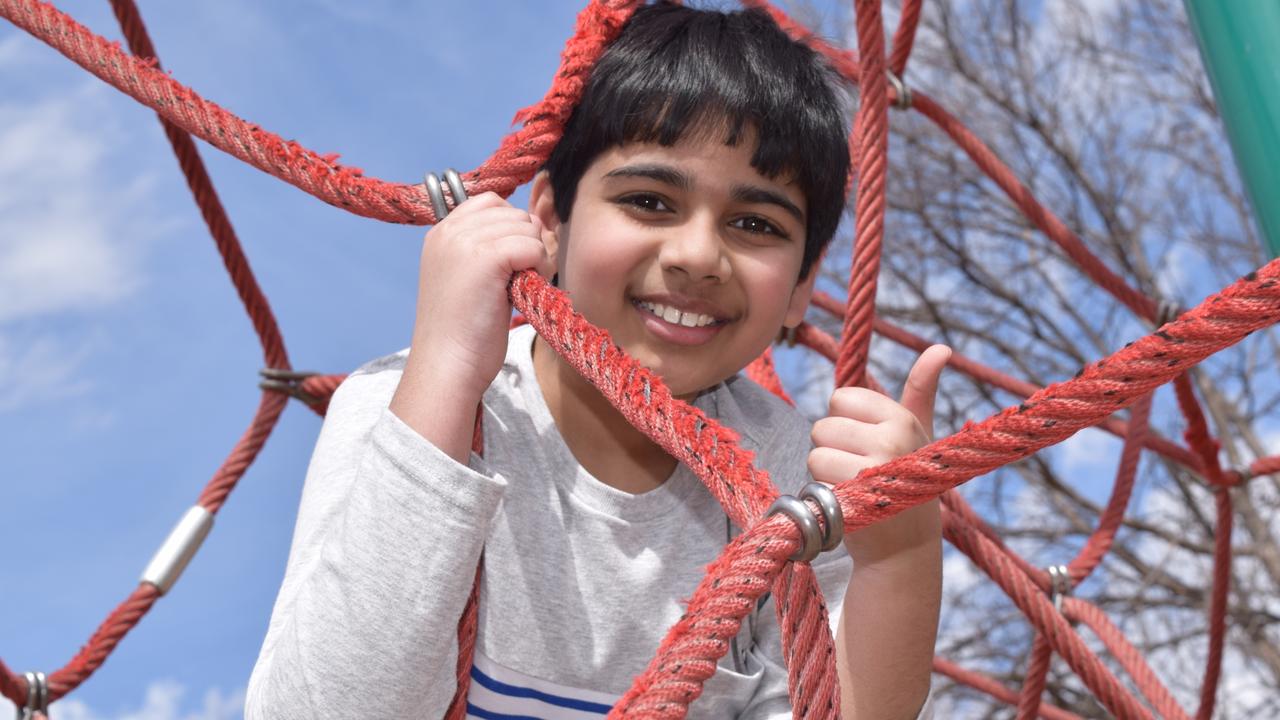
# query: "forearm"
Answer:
x=889 y=621
x=437 y=404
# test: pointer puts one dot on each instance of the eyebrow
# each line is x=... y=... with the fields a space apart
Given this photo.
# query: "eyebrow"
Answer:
x=662 y=173
x=757 y=194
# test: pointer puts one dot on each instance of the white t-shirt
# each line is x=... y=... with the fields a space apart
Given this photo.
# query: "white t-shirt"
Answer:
x=581 y=581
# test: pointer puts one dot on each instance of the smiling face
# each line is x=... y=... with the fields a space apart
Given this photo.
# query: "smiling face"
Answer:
x=686 y=254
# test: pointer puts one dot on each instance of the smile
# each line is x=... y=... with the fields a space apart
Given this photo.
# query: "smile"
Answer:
x=676 y=317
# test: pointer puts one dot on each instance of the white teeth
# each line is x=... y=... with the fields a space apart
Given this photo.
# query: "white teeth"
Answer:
x=676 y=317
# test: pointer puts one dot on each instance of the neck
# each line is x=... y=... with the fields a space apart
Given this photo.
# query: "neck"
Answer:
x=599 y=437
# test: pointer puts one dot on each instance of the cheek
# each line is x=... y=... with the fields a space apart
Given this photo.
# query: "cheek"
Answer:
x=600 y=258
x=771 y=282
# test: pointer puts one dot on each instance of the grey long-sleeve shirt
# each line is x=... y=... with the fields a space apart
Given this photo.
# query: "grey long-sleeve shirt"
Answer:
x=581 y=581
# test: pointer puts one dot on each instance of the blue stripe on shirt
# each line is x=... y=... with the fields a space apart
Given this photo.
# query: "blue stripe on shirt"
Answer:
x=513 y=691
x=490 y=715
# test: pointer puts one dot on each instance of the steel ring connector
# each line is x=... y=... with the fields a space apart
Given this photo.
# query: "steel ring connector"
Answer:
x=1059 y=584
x=831 y=512
x=800 y=514
x=436 y=194
x=456 y=188
x=37 y=696
x=902 y=101
x=1167 y=311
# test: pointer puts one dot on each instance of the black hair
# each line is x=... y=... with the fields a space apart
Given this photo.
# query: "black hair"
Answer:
x=675 y=69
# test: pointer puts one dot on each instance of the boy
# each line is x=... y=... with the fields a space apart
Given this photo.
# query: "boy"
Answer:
x=694 y=188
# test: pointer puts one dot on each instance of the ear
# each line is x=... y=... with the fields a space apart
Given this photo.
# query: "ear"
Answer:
x=542 y=205
x=800 y=297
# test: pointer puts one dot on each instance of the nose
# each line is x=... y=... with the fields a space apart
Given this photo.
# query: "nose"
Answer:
x=697 y=250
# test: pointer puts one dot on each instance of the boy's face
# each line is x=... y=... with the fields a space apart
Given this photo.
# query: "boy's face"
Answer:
x=686 y=254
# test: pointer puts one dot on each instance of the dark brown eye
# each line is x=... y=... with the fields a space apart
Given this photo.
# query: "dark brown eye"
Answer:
x=645 y=202
x=756 y=224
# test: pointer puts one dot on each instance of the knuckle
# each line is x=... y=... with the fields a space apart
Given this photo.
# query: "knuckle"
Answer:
x=843 y=400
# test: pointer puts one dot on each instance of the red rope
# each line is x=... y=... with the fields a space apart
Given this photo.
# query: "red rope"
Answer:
x=515 y=161
x=1099 y=543
x=755 y=561
x=1049 y=416
x=1217 y=604
x=994 y=689
x=1127 y=655
x=131 y=611
x=1037 y=674
x=905 y=36
x=871 y=130
x=710 y=450
x=206 y=197
x=1053 y=627
x=991 y=376
x=1041 y=217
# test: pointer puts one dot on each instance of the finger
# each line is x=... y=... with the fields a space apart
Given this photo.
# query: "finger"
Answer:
x=490 y=231
x=521 y=253
x=477 y=220
x=841 y=433
x=479 y=202
x=921 y=389
x=862 y=404
x=880 y=442
x=834 y=466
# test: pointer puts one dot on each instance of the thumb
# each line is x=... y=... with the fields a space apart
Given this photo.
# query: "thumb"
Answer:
x=922 y=384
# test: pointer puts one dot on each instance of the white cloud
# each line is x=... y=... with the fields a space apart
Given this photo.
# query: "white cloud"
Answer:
x=73 y=233
x=162 y=701
x=1090 y=451
x=67 y=237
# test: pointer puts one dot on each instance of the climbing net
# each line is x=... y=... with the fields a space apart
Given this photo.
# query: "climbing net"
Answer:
x=757 y=561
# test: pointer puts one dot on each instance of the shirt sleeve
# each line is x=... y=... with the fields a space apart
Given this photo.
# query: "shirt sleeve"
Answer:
x=385 y=549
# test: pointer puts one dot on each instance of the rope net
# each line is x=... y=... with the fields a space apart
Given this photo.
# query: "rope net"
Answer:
x=756 y=561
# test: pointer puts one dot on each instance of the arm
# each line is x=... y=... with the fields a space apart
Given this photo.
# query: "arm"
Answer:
x=392 y=520
x=885 y=645
x=463 y=312
x=889 y=620
x=385 y=549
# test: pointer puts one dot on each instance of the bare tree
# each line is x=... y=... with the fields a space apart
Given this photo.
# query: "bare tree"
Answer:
x=1104 y=112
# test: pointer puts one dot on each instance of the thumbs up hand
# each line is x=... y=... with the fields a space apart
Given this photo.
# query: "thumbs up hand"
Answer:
x=865 y=429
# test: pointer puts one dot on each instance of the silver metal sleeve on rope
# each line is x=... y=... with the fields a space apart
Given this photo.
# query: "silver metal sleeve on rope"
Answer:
x=171 y=559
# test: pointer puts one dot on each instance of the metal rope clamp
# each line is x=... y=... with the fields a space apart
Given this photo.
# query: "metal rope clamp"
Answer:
x=815 y=540
x=1059 y=585
x=288 y=382
x=435 y=192
x=37 y=697
x=1167 y=311
x=902 y=93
